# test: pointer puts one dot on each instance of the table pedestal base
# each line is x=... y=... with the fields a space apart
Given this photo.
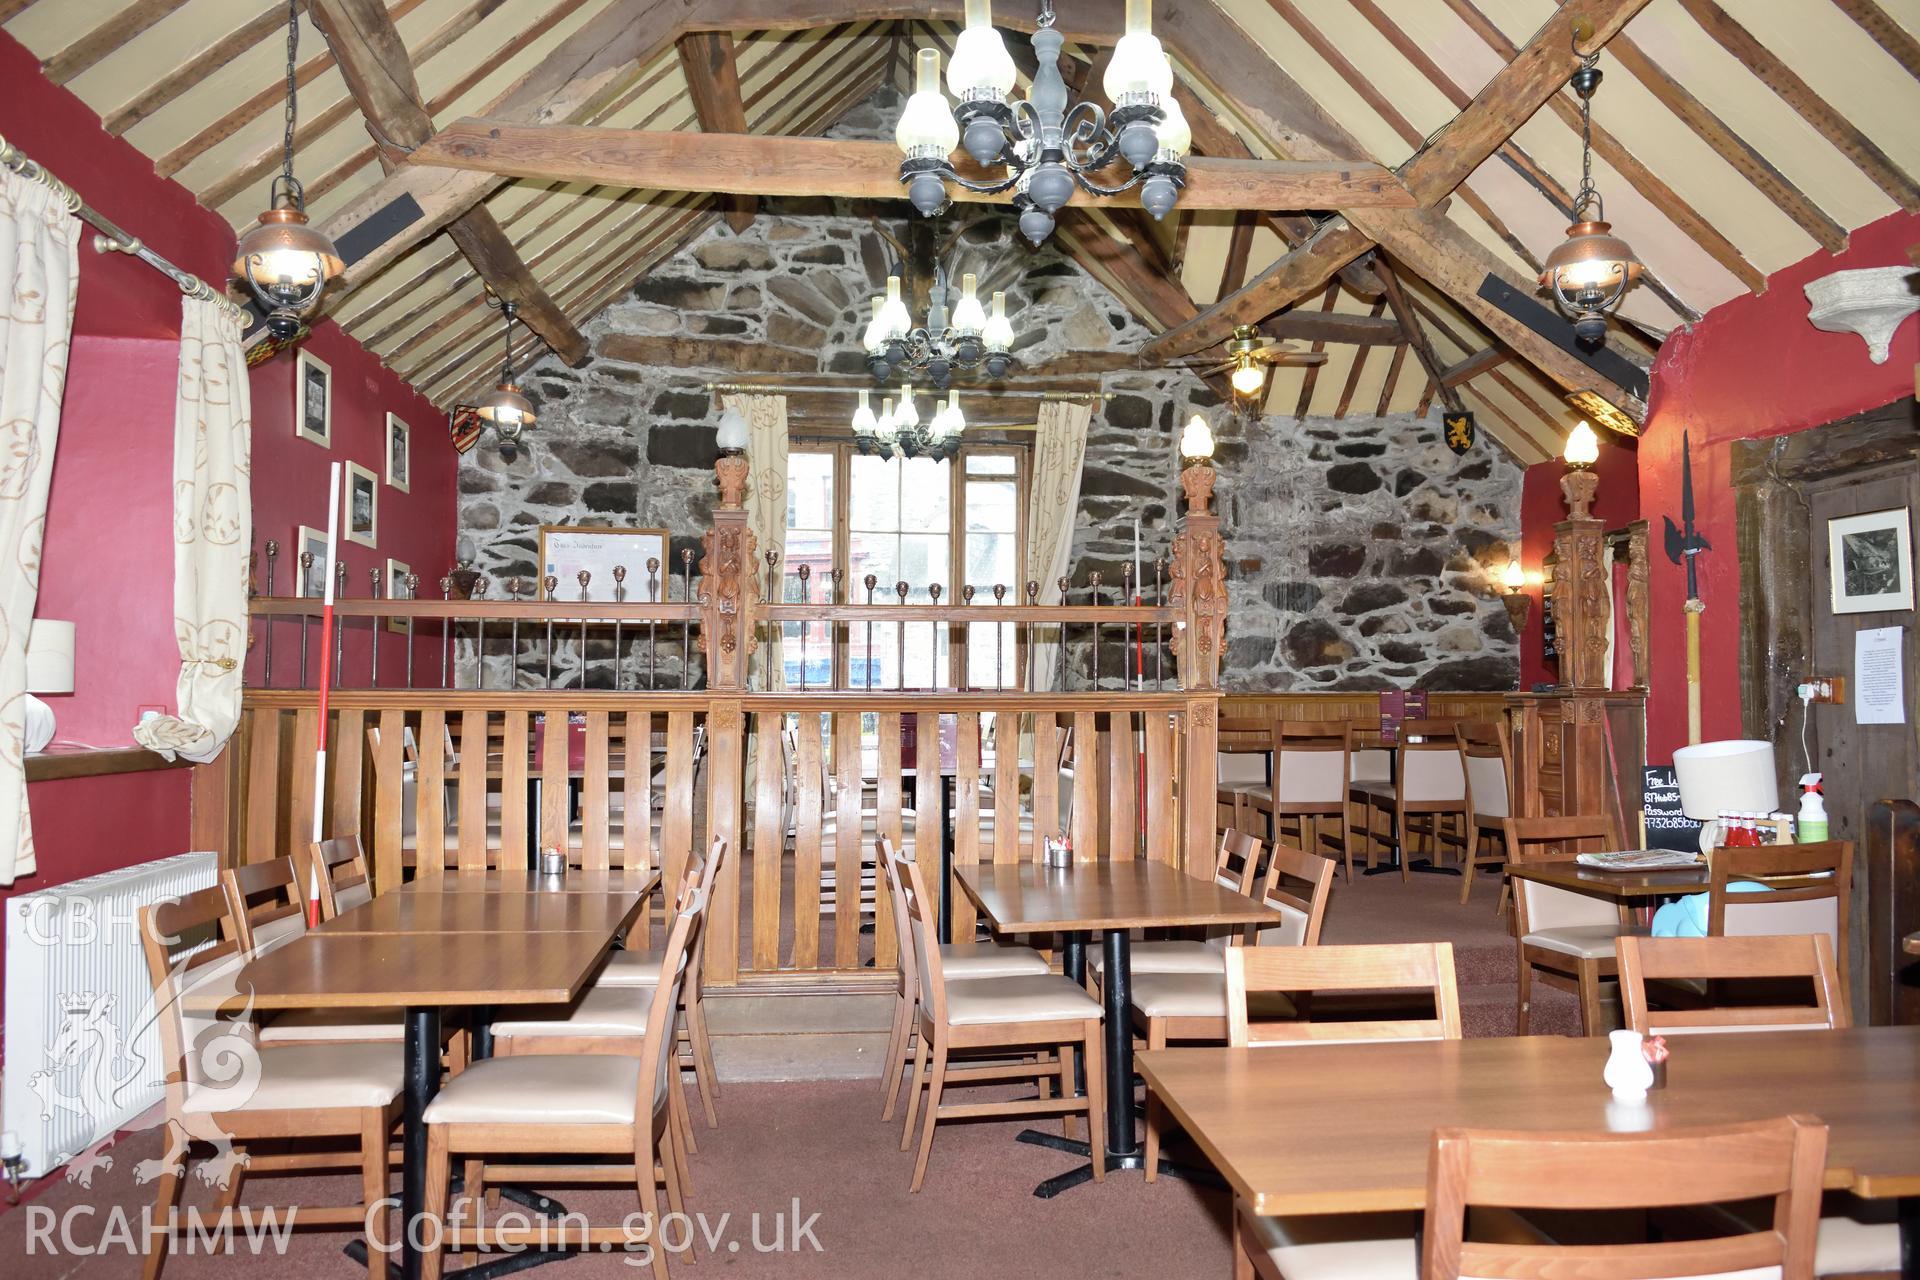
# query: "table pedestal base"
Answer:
x=1084 y=1173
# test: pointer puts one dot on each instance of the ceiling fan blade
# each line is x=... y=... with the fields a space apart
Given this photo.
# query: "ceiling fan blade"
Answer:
x=1297 y=359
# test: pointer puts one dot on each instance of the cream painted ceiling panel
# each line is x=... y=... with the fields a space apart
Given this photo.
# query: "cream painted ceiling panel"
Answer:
x=1855 y=76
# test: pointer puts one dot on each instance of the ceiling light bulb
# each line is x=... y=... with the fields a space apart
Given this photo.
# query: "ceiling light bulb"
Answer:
x=1196 y=441
x=907 y=415
x=956 y=420
x=1515 y=577
x=927 y=129
x=969 y=317
x=982 y=69
x=1248 y=376
x=1139 y=73
x=1176 y=136
x=863 y=419
x=894 y=320
x=875 y=336
x=1583 y=447
x=997 y=335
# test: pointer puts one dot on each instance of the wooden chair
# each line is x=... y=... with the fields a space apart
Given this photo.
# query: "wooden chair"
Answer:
x=1389 y=966
x=960 y=960
x=349 y=1092
x=1193 y=1005
x=1431 y=784
x=1807 y=955
x=265 y=906
x=1487 y=756
x=344 y=879
x=1243 y=770
x=1310 y=769
x=1782 y=1160
x=1857 y=1238
x=1343 y=1246
x=1235 y=867
x=1035 y=1013
x=1568 y=937
x=557 y=1104
x=1810 y=889
x=1369 y=785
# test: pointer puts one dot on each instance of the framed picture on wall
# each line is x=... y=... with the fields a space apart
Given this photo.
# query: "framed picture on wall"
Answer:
x=313 y=400
x=397 y=571
x=566 y=550
x=312 y=581
x=363 y=504
x=1870 y=561
x=399 y=453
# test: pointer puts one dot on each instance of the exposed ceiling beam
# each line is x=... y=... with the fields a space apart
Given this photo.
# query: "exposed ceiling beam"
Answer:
x=713 y=78
x=129 y=21
x=1886 y=32
x=1462 y=371
x=1416 y=336
x=1303 y=270
x=373 y=60
x=789 y=166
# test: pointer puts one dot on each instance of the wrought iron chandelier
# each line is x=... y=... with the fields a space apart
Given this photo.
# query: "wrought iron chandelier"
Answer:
x=1047 y=145
x=283 y=262
x=897 y=427
x=1589 y=272
x=965 y=339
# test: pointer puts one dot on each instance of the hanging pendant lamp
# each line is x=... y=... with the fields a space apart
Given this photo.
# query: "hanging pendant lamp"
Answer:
x=506 y=407
x=1589 y=272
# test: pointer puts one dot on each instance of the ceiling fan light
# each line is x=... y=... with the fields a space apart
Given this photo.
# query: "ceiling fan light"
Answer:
x=1248 y=376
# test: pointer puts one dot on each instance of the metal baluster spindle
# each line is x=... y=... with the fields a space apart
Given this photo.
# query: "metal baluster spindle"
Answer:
x=373 y=576
x=933 y=640
x=1159 y=644
x=775 y=593
x=306 y=623
x=1033 y=650
x=653 y=597
x=619 y=597
x=446 y=635
x=964 y=679
x=551 y=583
x=999 y=641
x=871 y=582
x=513 y=635
x=479 y=636
x=900 y=636
x=266 y=623
x=1065 y=588
x=834 y=640
x=583 y=577
x=339 y=623
x=413 y=593
x=686 y=623
x=805 y=571
x=1093 y=592
x=1127 y=645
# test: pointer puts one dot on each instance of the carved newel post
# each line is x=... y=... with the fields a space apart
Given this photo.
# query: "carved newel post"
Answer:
x=729 y=587
x=1581 y=592
x=1199 y=602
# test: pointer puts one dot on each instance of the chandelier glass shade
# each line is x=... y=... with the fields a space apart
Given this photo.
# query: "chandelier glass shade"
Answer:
x=285 y=263
x=1589 y=272
x=962 y=339
x=897 y=428
x=1045 y=145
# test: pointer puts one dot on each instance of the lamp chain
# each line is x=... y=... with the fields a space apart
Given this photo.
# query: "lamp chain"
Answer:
x=1588 y=195
x=1046 y=14
x=286 y=154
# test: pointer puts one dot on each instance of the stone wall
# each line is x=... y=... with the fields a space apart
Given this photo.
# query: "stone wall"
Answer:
x=1362 y=552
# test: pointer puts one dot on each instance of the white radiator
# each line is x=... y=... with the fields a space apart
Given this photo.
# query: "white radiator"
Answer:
x=80 y=1007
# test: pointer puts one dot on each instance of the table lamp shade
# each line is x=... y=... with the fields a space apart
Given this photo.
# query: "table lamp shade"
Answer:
x=50 y=656
x=1733 y=775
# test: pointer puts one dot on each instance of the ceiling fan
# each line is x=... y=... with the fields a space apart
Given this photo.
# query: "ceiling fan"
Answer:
x=1249 y=355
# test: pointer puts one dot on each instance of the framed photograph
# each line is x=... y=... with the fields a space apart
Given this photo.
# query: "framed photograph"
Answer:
x=312 y=581
x=397 y=571
x=399 y=453
x=1870 y=561
x=566 y=549
x=363 y=505
x=313 y=400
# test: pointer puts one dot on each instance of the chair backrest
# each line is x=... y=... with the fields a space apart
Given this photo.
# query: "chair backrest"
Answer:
x=1244 y=746
x=1237 y=846
x=1782 y=1159
x=1310 y=763
x=1367 y=760
x=657 y=1069
x=1392 y=966
x=1297 y=885
x=188 y=950
x=703 y=876
x=917 y=907
x=265 y=905
x=1809 y=887
x=1430 y=729
x=1807 y=955
x=1488 y=760
x=1542 y=906
x=1432 y=771
x=345 y=882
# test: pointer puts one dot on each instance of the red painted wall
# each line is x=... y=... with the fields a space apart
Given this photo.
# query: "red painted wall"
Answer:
x=108 y=555
x=1751 y=368
x=1542 y=505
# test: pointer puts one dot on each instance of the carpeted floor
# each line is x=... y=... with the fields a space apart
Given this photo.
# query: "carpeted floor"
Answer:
x=822 y=1145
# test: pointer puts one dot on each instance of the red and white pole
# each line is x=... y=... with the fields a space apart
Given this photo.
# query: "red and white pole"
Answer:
x=326 y=679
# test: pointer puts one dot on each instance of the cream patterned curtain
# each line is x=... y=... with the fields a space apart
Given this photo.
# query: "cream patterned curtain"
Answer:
x=766 y=500
x=212 y=530
x=40 y=261
x=1053 y=504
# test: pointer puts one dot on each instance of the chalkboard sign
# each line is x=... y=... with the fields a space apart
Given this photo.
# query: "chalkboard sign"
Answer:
x=1667 y=826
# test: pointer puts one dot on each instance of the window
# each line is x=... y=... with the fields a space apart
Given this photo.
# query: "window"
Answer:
x=953 y=523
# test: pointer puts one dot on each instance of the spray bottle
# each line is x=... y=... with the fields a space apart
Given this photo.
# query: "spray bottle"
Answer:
x=1811 y=825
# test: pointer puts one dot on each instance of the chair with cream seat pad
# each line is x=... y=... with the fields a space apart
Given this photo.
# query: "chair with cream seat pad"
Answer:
x=1808 y=890
x=1348 y=1246
x=1243 y=768
x=338 y=868
x=1568 y=937
x=1193 y=1006
x=1031 y=1016
x=347 y=1092
x=545 y=1106
x=1486 y=752
x=1236 y=866
x=1310 y=770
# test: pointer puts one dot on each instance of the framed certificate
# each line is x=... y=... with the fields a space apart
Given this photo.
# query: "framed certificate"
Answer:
x=566 y=550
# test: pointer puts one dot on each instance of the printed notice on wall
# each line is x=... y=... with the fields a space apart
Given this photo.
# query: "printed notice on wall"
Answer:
x=1879 y=697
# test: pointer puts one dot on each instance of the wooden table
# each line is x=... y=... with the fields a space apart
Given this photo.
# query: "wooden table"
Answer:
x=577 y=880
x=431 y=946
x=1346 y=1128
x=1565 y=873
x=1108 y=896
